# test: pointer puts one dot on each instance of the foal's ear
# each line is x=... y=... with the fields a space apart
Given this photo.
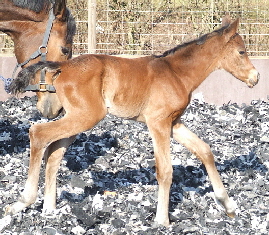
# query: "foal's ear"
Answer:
x=232 y=29
x=226 y=21
x=59 y=9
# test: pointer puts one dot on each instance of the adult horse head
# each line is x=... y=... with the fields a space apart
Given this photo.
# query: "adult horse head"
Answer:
x=39 y=28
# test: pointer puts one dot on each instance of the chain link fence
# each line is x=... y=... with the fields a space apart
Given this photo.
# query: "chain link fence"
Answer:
x=153 y=26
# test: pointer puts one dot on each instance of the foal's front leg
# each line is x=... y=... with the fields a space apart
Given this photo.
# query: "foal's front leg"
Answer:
x=160 y=132
x=203 y=153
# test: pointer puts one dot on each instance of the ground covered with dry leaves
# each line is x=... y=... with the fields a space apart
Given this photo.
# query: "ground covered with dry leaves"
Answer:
x=107 y=185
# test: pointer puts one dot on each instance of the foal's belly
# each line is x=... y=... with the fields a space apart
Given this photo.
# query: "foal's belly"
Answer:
x=124 y=109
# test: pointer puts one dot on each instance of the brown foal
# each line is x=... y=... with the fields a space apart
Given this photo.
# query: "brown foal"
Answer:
x=151 y=89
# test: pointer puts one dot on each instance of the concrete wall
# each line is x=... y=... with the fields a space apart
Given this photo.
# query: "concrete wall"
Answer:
x=219 y=88
x=7 y=64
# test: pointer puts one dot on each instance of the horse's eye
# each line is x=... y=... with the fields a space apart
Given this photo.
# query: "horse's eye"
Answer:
x=65 y=50
x=241 y=52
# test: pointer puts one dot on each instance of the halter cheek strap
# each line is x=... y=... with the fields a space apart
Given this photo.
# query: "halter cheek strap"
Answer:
x=42 y=52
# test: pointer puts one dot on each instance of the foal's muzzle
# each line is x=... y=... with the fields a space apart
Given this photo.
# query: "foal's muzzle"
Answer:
x=253 y=79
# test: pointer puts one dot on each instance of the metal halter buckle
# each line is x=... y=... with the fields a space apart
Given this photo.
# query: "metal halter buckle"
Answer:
x=41 y=87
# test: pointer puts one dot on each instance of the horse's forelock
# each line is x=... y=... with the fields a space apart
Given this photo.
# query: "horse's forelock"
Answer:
x=71 y=27
x=38 y=6
x=33 y=5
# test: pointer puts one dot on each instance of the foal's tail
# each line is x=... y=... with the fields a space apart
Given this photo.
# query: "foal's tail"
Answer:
x=26 y=75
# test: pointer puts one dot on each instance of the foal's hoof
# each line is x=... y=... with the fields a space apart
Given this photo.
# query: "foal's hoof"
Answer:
x=9 y=210
x=231 y=214
x=14 y=208
x=157 y=223
x=49 y=213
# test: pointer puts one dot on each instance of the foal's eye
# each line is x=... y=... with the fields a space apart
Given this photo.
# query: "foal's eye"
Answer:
x=241 y=52
x=65 y=50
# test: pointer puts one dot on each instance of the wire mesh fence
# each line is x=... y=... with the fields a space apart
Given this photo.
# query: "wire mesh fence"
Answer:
x=153 y=26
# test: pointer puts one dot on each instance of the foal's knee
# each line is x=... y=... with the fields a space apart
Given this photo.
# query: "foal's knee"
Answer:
x=33 y=132
x=164 y=175
x=35 y=136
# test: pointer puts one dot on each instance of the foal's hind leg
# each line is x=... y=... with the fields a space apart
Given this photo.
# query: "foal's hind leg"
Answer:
x=160 y=132
x=203 y=153
x=53 y=160
x=41 y=136
x=29 y=193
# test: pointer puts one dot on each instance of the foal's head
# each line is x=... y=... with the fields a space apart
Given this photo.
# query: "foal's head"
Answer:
x=234 y=58
x=26 y=22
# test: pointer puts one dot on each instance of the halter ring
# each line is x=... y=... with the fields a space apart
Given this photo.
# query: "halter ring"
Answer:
x=43 y=49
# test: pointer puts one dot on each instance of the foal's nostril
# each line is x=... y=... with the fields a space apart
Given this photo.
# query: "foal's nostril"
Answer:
x=258 y=77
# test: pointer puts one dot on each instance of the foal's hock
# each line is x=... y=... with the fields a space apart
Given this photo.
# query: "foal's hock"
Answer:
x=151 y=89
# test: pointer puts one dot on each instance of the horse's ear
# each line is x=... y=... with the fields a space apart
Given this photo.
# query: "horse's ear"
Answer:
x=232 y=29
x=59 y=9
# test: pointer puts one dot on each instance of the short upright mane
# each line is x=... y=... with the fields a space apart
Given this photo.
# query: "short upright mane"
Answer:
x=33 y=5
x=198 y=41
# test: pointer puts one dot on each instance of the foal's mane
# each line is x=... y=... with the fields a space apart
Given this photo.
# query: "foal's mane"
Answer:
x=199 y=41
x=39 y=5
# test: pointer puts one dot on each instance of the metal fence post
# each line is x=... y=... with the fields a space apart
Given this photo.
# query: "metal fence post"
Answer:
x=91 y=26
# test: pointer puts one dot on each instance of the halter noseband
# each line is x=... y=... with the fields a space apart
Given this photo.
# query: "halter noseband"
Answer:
x=42 y=52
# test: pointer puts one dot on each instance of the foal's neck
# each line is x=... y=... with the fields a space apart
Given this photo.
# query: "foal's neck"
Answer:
x=193 y=63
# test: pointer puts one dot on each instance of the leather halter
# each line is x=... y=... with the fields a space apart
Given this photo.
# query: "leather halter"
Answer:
x=42 y=51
